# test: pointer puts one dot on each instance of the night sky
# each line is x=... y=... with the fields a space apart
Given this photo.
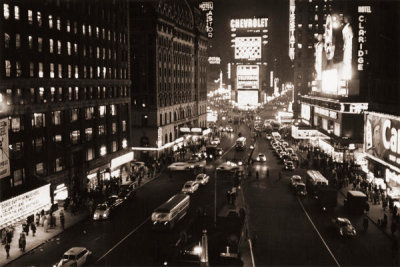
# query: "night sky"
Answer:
x=277 y=12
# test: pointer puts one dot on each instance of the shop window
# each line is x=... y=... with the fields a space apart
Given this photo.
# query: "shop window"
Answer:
x=19 y=176
x=16 y=125
x=38 y=120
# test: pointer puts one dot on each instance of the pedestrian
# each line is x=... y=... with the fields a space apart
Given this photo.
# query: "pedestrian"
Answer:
x=22 y=242
x=45 y=225
x=257 y=176
x=41 y=221
x=267 y=173
x=33 y=228
x=37 y=218
x=7 y=248
x=62 y=219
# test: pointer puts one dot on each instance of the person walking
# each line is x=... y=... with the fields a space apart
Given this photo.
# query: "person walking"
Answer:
x=22 y=242
x=33 y=228
x=45 y=224
x=62 y=219
x=7 y=248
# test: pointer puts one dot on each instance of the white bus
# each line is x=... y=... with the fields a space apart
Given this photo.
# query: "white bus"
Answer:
x=240 y=143
x=171 y=212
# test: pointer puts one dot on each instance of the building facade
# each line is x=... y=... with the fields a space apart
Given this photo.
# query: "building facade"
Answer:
x=65 y=93
x=168 y=69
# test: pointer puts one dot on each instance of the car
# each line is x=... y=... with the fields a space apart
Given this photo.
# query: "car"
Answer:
x=216 y=141
x=219 y=151
x=289 y=166
x=300 y=189
x=290 y=151
x=179 y=166
x=261 y=157
x=294 y=180
x=114 y=201
x=268 y=136
x=294 y=157
x=190 y=187
x=102 y=212
x=127 y=191
x=202 y=178
x=282 y=155
x=344 y=227
x=75 y=256
x=195 y=164
x=228 y=166
x=229 y=129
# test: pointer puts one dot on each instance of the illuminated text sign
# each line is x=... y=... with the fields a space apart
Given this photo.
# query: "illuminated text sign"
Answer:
x=249 y=23
x=292 y=27
x=362 y=50
x=247 y=77
x=214 y=60
x=208 y=7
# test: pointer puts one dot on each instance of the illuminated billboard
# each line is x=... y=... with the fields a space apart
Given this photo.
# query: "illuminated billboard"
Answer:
x=248 y=48
x=247 y=76
x=382 y=138
x=305 y=111
x=208 y=7
x=247 y=98
x=292 y=27
x=249 y=23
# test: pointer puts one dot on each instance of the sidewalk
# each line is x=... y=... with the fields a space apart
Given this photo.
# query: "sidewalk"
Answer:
x=41 y=236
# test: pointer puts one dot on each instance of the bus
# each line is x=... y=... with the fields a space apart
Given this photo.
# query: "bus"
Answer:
x=171 y=212
x=240 y=143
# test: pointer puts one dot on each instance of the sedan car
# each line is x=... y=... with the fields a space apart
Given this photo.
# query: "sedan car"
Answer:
x=76 y=256
x=190 y=187
x=229 y=129
x=102 y=212
x=179 y=166
x=228 y=166
x=288 y=166
x=300 y=189
x=216 y=141
x=344 y=226
x=202 y=178
x=114 y=201
x=294 y=157
x=294 y=180
x=127 y=191
x=261 y=157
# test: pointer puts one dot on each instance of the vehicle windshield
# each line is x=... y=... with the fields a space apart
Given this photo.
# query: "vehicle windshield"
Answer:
x=68 y=257
x=102 y=207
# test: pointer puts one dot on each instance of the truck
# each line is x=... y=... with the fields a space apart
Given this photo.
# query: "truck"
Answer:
x=356 y=202
x=326 y=198
x=240 y=143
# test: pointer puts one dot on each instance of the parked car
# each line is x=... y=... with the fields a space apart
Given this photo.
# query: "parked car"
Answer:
x=127 y=191
x=294 y=180
x=294 y=157
x=300 y=189
x=289 y=166
x=190 y=187
x=102 y=212
x=179 y=166
x=343 y=226
x=202 y=178
x=75 y=256
x=114 y=201
x=261 y=157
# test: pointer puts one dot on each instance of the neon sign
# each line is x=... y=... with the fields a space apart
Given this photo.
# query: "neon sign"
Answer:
x=249 y=23
x=292 y=39
x=362 y=36
x=208 y=7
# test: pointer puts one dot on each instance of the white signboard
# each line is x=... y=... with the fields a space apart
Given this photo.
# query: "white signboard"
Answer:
x=248 y=48
x=214 y=60
x=159 y=137
x=305 y=111
x=247 y=76
x=24 y=205
x=4 y=154
x=247 y=98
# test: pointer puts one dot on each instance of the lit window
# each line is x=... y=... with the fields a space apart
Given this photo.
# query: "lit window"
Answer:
x=75 y=136
x=76 y=93
x=97 y=32
x=89 y=112
x=102 y=130
x=9 y=96
x=98 y=72
x=38 y=120
x=18 y=176
x=90 y=154
x=56 y=116
x=16 y=125
x=6 y=11
x=16 y=12
x=6 y=40
x=83 y=29
x=310 y=26
x=59 y=71
x=76 y=72
x=51 y=45
x=39 y=18
x=40 y=44
x=51 y=70
x=30 y=42
x=74 y=114
x=57 y=138
x=89 y=134
x=68 y=26
x=103 y=150
x=18 y=70
x=69 y=71
x=69 y=93
x=8 y=68
x=40 y=73
x=114 y=146
x=58 y=24
x=50 y=21
x=102 y=111
x=114 y=128
x=123 y=126
x=52 y=94
x=41 y=95
x=59 y=164
x=69 y=48
x=59 y=47
x=17 y=40
x=300 y=46
x=75 y=27
x=39 y=168
x=97 y=52
x=31 y=69
x=76 y=49
x=113 y=109
x=124 y=143
x=30 y=16
x=90 y=30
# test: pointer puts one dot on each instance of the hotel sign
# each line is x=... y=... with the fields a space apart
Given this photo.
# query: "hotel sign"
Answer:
x=249 y=23
x=362 y=50
x=292 y=27
x=382 y=138
x=208 y=7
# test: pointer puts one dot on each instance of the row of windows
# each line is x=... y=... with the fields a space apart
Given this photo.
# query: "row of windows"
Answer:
x=56 y=23
x=52 y=70
x=57 y=46
x=59 y=94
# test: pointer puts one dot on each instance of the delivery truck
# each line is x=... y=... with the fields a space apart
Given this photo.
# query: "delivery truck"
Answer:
x=356 y=202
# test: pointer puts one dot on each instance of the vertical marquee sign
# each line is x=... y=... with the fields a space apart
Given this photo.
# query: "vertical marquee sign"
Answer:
x=208 y=7
x=4 y=153
x=362 y=45
x=292 y=26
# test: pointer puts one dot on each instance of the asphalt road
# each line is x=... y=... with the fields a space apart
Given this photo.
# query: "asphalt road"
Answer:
x=127 y=237
x=292 y=231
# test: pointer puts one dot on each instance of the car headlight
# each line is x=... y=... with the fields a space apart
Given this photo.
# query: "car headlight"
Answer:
x=211 y=156
x=258 y=158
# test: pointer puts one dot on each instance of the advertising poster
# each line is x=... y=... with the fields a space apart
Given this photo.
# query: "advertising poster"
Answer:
x=248 y=48
x=381 y=138
x=247 y=77
x=4 y=154
x=247 y=98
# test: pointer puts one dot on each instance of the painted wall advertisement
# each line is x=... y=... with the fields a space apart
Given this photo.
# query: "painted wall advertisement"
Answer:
x=4 y=154
x=382 y=138
x=25 y=204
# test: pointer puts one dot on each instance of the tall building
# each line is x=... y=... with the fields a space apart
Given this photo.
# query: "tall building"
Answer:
x=249 y=69
x=65 y=96
x=168 y=69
